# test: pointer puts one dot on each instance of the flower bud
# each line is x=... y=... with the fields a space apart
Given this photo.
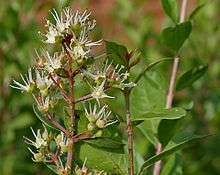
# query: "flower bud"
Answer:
x=91 y=126
x=38 y=157
x=92 y=118
x=101 y=123
x=98 y=133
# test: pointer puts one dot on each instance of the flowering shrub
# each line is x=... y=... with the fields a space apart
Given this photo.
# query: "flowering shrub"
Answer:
x=82 y=133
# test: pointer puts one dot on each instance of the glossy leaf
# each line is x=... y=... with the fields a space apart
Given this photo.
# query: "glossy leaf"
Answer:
x=171 y=9
x=177 y=144
x=189 y=77
x=174 y=37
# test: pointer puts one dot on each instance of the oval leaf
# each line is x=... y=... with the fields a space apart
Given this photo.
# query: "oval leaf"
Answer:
x=189 y=77
x=171 y=9
x=174 y=37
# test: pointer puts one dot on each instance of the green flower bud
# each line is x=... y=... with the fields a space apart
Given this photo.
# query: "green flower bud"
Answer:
x=91 y=126
x=38 y=157
x=98 y=133
x=101 y=123
x=92 y=118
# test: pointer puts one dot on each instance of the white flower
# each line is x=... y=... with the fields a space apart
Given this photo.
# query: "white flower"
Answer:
x=52 y=34
x=43 y=104
x=115 y=75
x=62 y=21
x=98 y=92
x=28 y=82
x=38 y=157
x=99 y=116
x=53 y=62
x=61 y=141
x=39 y=140
x=79 y=52
x=43 y=82
x=119 y=77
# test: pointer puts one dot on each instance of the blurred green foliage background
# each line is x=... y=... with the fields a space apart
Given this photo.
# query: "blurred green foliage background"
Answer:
x=135 y=23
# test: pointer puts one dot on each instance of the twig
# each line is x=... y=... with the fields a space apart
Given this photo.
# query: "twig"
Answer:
x=57 y=124
x=170 y=94
x=129 y=132
x=83 y=98
x=72 y=107
x=60 y=87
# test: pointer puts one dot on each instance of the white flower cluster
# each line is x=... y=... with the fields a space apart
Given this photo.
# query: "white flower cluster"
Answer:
x=114 y=76
x=42 y=145
x=99 y=118
x=73 y=28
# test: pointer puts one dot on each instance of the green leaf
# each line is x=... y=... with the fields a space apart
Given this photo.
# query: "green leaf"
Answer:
x=149 y=130
x=174 y=37
x=171 y=9
x=196 y=11
x=149 y=94
x=102 y=160
x=167 y=129
x=42 y=118
x=173 y=166
x=52 y=168
x=117 y=53
x=178 y=143
x=150 y=66
x=107 y=144
x=170 y=114
x=189 y=77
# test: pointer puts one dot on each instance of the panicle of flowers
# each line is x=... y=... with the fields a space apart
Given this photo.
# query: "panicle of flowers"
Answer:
x=42 y=143
x=28 y=82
